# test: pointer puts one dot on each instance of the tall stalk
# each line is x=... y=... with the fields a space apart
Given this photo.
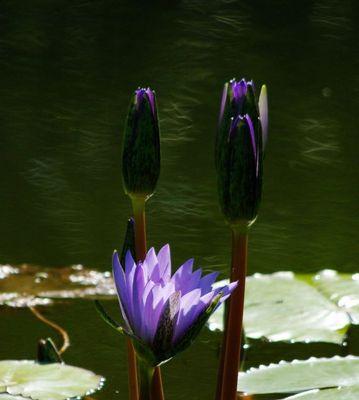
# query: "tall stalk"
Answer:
x=231 y=348
x=139 y=215
x=146 y=377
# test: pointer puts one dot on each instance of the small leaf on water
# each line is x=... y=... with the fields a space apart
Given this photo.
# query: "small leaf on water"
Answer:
x=46 y=381
x=298 y=376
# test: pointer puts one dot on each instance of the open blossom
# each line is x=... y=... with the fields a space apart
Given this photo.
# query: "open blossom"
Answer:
x=163 y=313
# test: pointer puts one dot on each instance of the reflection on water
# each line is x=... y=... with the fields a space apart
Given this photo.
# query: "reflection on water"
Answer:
x=67 y=71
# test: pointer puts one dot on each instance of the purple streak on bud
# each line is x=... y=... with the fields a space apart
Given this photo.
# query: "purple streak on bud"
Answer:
x=151 y=97
x=253 y=140
x=142 y=94
x=239 y=89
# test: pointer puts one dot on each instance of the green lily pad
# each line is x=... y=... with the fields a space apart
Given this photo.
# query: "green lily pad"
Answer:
x=342 y=289
x=5 y=396
x=46 y=381
x=280 y=307
x=345 y=393
x=29 y=285
x=299 y=376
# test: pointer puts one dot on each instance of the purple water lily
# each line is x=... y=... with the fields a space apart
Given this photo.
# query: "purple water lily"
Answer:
x=162 y=312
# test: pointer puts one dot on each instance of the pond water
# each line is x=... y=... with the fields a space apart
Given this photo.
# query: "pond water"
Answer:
x=67 y=70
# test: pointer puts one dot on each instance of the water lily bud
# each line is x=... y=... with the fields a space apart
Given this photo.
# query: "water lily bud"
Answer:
x=47 y=352
x=163 y=313
x=141 y=148
x=240 y=170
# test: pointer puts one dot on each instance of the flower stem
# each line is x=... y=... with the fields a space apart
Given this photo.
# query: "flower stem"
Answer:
x=146 y=376
x=138 y=205
x=231 y=349
x=132 y=371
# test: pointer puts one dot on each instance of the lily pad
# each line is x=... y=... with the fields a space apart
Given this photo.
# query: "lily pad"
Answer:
x=345 y=393
x=5 y=396
x=38 y=286
x=299 y=376
x=281 y=307
x=46 y=381
x=342 y=289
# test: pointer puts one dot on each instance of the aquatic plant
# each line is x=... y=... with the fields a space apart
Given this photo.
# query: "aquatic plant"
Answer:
x=239 y=153
x=162 y=313
x=141 y=163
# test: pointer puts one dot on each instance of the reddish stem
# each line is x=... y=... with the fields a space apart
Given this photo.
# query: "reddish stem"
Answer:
x=132 y=371
x=138 y=205
x=230 y=358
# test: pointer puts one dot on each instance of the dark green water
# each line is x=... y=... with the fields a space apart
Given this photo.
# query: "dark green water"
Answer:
x=67 y=69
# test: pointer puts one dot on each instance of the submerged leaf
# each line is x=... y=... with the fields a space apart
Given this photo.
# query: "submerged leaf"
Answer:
x=280 y=307
x=297 y=376
x=47 y=381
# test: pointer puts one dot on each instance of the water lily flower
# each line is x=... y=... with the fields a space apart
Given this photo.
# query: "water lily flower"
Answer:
x=141 y=146
x=162 y=313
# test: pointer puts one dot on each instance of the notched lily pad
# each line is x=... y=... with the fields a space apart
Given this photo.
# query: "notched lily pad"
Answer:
x=341 y=289
x=46 y=381
x=299 y=376
x=280 y=307
x=28 y=285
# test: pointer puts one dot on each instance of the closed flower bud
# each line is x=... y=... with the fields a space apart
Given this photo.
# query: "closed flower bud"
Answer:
x=141 y=148
x=240 y=140
x=240 y=169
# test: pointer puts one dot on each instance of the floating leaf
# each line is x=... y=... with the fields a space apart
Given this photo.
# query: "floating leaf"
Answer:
x=280 y=307
x=5 y=396
x=345 y=393
x=39 y=285
x=342 y=289
x=47 y=381
x=298 y=376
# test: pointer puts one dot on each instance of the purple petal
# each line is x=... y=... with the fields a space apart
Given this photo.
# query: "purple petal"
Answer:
x=164 y=261
x=226 y=291
x=120 y=282
x=138 y=288
x=130 y=269
x=150 y=262
x=263 y=113
x=182 y=275
x=207 y=281
x=188 y=307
